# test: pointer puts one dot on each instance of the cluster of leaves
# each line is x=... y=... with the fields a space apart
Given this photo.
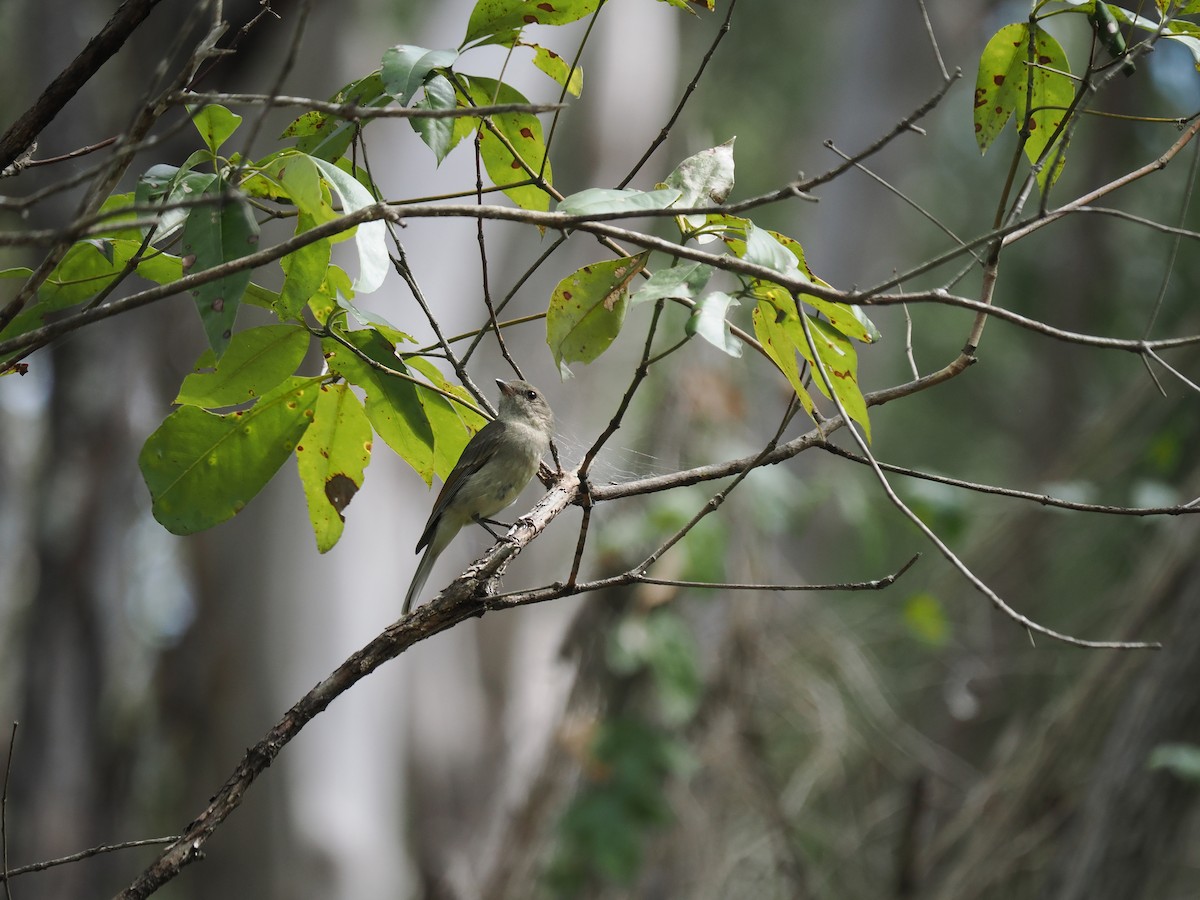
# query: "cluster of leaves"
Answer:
x=1024 y=73
x=245 y=409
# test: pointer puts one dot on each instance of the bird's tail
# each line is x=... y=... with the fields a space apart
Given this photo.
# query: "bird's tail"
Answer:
x=419 y=578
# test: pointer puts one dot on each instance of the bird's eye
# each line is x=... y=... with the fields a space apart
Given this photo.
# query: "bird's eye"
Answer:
x=531 y=395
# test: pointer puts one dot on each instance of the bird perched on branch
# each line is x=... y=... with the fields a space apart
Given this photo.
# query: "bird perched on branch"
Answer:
x=494 y=468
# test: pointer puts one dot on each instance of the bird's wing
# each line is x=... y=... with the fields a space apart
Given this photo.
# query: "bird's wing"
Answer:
x=477 y=452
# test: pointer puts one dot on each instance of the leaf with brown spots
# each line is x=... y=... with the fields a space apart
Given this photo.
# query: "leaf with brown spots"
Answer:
x=501 y=21
x=587 y=309
x=523 y=133
x=331 y=460
x=558 y=69
x=1002 y=90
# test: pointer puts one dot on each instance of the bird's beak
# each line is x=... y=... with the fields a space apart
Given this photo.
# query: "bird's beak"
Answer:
x=505 y=387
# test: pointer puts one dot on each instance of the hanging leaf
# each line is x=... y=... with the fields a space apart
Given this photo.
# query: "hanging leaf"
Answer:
x=327 y=136
x=587 y=309
x=1002 y=89
x=370 y=237
x=523 y=132
x=704 y=179
x=393 y=405
x=406 y=67
x=558 y=69
x=774 y=326
x=708 y=320
x=440 y=135
x=202 y=469
x=215 y=233
x=258 y=359
x=331 y=460
x=685 y=281
x=304 y=270
x=452 y=423
x=840 y=362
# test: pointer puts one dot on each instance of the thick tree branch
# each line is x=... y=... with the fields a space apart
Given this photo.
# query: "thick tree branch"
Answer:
x=99 y=49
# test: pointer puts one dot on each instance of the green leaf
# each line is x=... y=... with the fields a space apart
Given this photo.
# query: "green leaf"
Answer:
x=500 y=21
x=370 y=237
x=171 y=186
x=294 y=176
x=1002 y=90
x=558 y=69
x=393 y=405
x=332 y=459
x=335 y=284
x=925 y=618
x=587 y=309
x=763 y=249
x=708 y=321
x=685 y=281
x=215 y=124
x=591 y=201
x=775 y=325
x=326 y=136
x=216 y=233
x=258 y=359
x=84 y=271
x=202 y=469
x=523 y=131
x=406 y=67
x=849 y=320
x=999 y=81
x=840 y=362
x=303 y=272
x=441 y=135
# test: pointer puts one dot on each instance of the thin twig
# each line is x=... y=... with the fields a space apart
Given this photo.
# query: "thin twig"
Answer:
x=933 y=44
x=87 y=854
x=481 y=240
x=932 y=537
x=714 y=502
x=1169 y=266
x=1042 y=499
x=687 y=94
x=904 y=126
x=5 y=872
x=875 y=584
x=639 y=375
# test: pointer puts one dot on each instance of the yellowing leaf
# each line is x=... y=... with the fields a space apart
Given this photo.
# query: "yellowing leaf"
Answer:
x=587 y=309
x=331 y=460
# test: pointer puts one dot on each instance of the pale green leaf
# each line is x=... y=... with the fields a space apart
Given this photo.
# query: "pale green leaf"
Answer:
x=370 y=237
x=258 y=359
x=332 y=459
x=587 y=309
x=202 y=469
x=591 y=201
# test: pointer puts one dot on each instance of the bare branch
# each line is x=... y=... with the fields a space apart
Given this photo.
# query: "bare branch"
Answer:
x=104 y=44
x=88 y=854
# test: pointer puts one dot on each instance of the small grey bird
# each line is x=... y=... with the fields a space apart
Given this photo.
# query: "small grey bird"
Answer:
x=494 y=468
